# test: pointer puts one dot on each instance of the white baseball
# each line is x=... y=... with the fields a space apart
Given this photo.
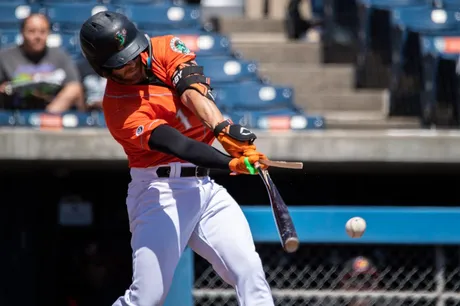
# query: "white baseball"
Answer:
x=355 y=227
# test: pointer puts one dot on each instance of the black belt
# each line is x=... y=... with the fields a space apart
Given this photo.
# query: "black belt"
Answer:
x=184 y=172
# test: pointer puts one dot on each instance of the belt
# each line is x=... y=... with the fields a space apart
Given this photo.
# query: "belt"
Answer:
x=184 y=172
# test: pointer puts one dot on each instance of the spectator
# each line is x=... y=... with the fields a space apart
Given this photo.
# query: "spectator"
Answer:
x=93 y=85
x=360 y=274
x=295 y=25
x=34 y=76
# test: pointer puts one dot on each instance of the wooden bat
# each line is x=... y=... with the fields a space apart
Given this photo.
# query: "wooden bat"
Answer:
x=282 y=164
x=284 y=224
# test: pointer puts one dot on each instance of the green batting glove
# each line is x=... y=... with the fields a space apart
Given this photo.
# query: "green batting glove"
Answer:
x=251 y=168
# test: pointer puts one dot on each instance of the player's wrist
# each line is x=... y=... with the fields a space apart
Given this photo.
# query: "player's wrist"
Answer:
x=222 y=126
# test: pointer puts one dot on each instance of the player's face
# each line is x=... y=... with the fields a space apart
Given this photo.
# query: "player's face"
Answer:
x=131 y=73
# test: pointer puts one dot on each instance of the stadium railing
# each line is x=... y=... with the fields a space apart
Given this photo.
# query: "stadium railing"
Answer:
x=420 y=246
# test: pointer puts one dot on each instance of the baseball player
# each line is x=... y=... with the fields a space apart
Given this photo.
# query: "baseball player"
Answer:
x=159 y=107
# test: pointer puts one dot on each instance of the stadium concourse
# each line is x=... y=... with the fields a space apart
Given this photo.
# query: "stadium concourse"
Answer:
x=378 y=137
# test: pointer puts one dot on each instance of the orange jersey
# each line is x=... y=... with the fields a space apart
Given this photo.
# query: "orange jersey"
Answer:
x=132 y=112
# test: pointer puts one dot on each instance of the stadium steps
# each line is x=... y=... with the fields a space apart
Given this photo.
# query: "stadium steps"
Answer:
x=344 y=100
x=254 y=25
x=271 y=48
x=319 y=89
x=313 y=76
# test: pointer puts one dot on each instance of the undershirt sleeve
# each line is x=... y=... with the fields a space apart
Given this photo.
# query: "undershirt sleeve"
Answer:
x=167 y=139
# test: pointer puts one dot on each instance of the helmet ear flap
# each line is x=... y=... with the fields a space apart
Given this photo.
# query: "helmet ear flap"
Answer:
x=103 y=72
x=149 y=57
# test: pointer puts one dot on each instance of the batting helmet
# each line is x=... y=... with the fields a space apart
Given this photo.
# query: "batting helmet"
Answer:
x=110 y=40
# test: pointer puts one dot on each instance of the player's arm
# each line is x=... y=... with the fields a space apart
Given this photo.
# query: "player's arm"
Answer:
x=141 y=128
x=195 y=94
x=193 y=87
x=167 y=139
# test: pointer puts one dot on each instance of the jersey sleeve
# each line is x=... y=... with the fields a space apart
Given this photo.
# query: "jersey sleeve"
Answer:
x=175 y=53
x=134 y=126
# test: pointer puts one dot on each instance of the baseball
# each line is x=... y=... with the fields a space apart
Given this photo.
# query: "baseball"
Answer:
x=355 y=227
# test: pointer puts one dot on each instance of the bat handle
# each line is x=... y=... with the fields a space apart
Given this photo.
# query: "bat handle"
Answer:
x=251 y=168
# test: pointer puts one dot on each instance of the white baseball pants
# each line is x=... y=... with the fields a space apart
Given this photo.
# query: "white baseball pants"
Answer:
x=166 y=215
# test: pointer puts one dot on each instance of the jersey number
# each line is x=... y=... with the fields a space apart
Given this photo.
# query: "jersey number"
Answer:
x=183 y=119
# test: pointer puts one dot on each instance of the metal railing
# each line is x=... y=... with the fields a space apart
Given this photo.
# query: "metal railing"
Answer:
x=414 y=265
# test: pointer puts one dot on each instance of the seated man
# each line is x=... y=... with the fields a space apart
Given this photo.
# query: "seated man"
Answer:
x=34 y=76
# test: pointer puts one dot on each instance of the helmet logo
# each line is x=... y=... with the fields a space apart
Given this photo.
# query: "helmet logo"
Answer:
x=120 y=37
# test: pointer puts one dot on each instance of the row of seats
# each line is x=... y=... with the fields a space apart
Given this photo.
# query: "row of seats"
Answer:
x=410 y=48
x=175 y=2
x=241 y=93
x=68 y=16
x=203 y=43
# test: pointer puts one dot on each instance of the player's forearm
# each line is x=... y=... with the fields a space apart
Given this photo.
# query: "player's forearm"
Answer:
x=204 y=108
x=168 y=140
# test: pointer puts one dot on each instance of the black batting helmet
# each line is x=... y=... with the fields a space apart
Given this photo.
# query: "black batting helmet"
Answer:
x=110 y=40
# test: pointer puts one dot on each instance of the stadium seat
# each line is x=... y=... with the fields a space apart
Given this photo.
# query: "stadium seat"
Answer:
x=374 y=48
x=254 y=97
x=122 y=2
x=163 y=17
x=224 y=70
x=448 y=4
x=68 y=17
x=48 y=2
x=11 y=13
x=440 y=95
x=406 y=70
x=20 y=1
x=10 y=38
x=6 y=118
x=43 y=120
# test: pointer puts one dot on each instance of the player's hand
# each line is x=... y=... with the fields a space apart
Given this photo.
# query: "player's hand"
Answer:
x=234 y=138
x=254 y=154
x=246 y=164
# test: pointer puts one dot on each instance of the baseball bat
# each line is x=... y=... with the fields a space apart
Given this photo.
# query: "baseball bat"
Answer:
x=283 y=220
x=282 y=164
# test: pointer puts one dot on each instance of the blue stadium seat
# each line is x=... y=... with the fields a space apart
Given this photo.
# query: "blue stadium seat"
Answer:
x=48 y=2
x=122 y=2
x=200 y=42
x=10 y=38
x=406 y=70
x=68 y=17
x=224 y=70
x=449 y=4
x=6 y=118
x=163 y=17
x=425 y=19
x=12 y=13
x=254 y=97
x=43 y=120
x=20 y=1
x=439 y=54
